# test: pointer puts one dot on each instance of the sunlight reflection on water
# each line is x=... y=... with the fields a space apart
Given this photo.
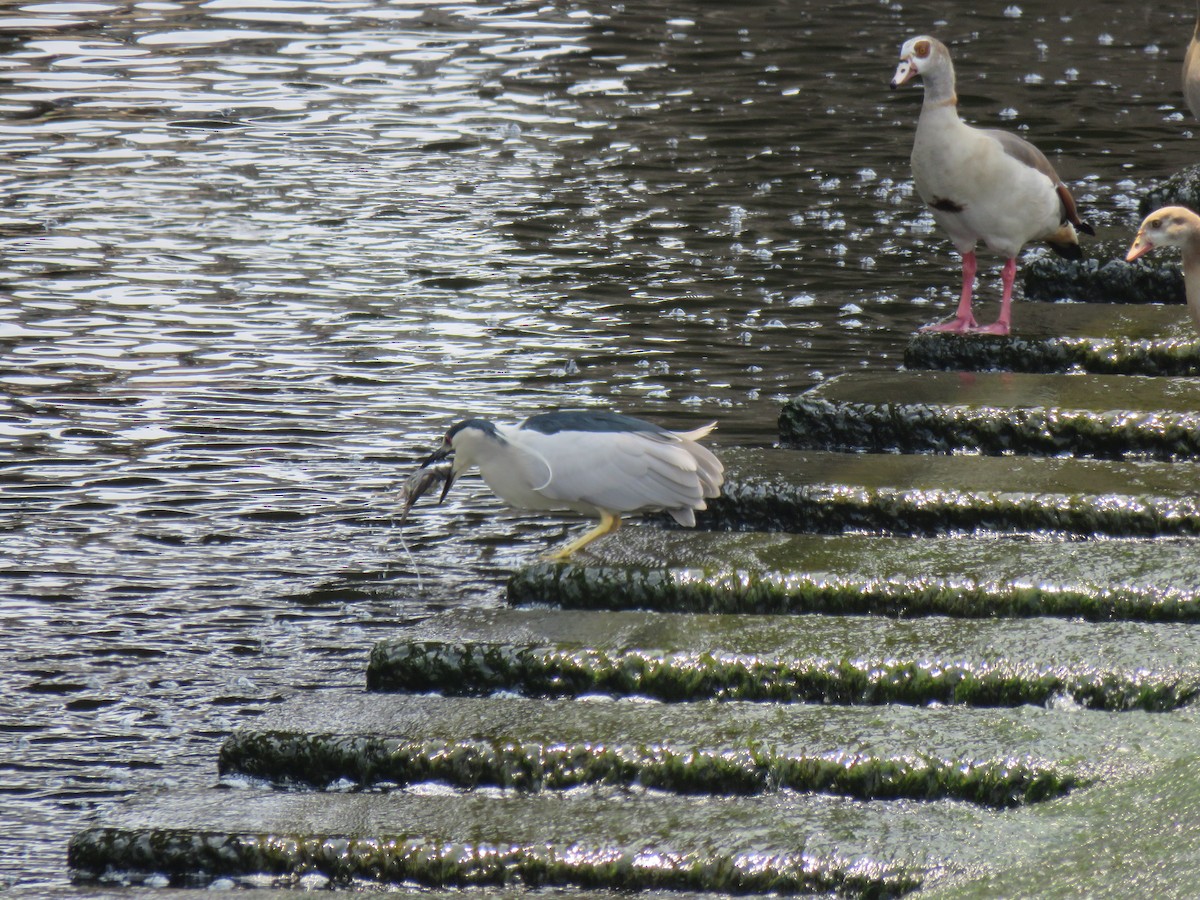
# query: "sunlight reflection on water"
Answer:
x=256 y=257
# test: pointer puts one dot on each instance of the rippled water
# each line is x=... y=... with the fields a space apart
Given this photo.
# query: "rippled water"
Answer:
x=255 y=255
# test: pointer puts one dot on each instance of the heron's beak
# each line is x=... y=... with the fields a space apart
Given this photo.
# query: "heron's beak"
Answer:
x=437 y=455
x=905 y=72
x=442 y=452
x=1141 y=246
x=446 y=487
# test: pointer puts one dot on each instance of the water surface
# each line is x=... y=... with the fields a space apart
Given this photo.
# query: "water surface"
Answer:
x=256 y=255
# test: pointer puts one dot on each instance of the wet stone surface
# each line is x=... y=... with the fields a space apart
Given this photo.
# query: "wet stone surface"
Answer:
x=1100 y=338
x=814 y=491
x=1103 y=280
x=968 y=577
x=981 y=663
x=388 y=742
x=1180 y=189
x=1102 y=416
x=747 y=846
x=324 y=760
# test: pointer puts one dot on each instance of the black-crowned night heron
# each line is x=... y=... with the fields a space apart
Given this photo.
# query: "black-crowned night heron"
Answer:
x=592 y=463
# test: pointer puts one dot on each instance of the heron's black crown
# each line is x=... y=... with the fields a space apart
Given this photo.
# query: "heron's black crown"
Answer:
x=483 y=425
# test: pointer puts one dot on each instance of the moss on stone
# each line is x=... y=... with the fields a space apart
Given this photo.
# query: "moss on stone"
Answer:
x=368 y=761
x=1109 y=280
x=1181 y=189
x=813 y=422
x=396 y=859
x=1054 y=353
x=763 y=592
x=456 y=669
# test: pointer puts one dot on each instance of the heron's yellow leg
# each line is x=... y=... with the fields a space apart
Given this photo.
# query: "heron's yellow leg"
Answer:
x=607 y=523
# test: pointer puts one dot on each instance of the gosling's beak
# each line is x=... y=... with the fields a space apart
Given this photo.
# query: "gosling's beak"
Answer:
x=905 y=72
x=442 y=452
x=1141 y=246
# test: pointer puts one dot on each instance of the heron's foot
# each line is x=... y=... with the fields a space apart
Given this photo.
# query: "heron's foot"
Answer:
x=560 y=555
x=607 y=523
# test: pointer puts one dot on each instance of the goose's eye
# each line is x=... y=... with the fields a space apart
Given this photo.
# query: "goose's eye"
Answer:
x=1157 y=223
x=921 y=49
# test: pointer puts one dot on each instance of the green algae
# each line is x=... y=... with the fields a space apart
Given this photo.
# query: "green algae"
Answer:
x=813 y=491
x=1018 y=353
x=396 y=859
x=475 y=668
x=1103 y=281
x=764 y=592
x=1180 y=189
x=1104 y=417
x=1099 y=338
x=320 y=760
x=768 y=503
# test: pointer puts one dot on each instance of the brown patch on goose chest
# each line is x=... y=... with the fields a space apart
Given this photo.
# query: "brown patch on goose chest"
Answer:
x=945 y=204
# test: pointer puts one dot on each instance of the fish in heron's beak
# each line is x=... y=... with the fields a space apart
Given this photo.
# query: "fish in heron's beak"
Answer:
x=420 y=483
x=437 y=455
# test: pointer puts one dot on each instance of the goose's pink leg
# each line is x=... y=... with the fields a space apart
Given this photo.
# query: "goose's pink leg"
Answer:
x=963 y=321
x=1004 y=323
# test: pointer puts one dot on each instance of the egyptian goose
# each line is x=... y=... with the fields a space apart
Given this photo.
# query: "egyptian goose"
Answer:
x=1191 y=69
x=1174 y=226
x=981 y=184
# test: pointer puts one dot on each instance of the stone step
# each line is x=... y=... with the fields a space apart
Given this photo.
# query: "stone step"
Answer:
x=619 y=841
x=969 y=577
x=993 y=757
x=1102 y=416
x=924 y=494
x=1182 y=188
x=822 y=659
x=1134 y=838
x=1105 y=279
x=1124 y=837
x=1103 y=338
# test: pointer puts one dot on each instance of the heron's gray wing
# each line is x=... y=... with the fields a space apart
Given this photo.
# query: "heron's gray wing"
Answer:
x=624 y=471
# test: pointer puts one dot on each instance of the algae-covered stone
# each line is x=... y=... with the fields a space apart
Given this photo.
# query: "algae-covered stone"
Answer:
x=1102 y=338
x=754 y=573
x=707 y=670
x=1133 y=837
x=1109 y=280
x=815 y=491
x=1113 y=417
x=1181 y=189
x=737 y=846
x=1165 y=654
x=369 y=761
x=992 y=756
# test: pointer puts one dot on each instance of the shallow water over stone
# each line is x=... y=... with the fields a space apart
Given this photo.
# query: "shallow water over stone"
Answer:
x=255 y=257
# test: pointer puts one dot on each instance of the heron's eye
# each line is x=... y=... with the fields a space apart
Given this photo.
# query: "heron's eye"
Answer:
x=921 y=49
x=1157 y=223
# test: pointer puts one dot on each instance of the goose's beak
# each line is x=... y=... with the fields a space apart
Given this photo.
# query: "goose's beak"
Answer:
x=1141 y=246
x=905 y=72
